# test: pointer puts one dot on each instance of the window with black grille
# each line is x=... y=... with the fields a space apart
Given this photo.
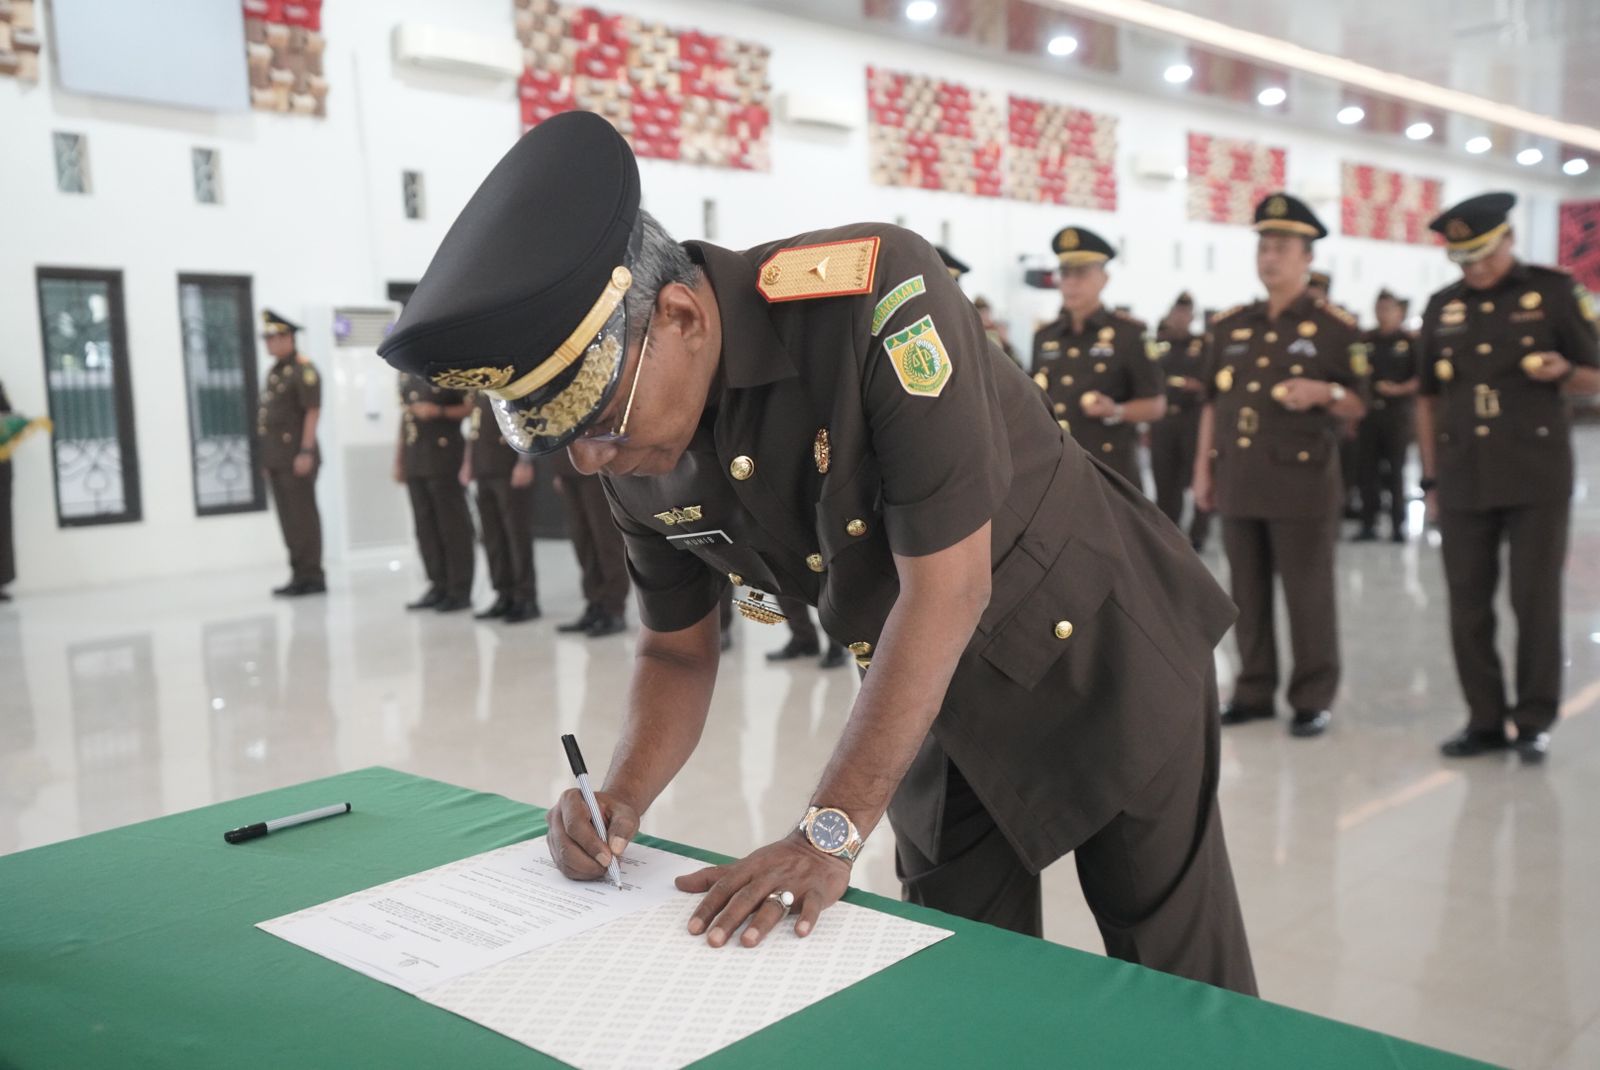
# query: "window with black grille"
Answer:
x=86 y=379
x=219 y=363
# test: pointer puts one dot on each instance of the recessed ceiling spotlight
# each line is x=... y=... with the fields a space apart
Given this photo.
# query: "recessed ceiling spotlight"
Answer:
x=1272 y=96
x=1349 y=115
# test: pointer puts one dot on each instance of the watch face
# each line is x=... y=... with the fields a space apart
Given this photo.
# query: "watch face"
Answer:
x=830 y=830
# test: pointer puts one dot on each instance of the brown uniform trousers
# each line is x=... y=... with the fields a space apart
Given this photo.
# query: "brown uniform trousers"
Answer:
x=1107 y=356
x=602 y=560
x=1385 y=434
x=431 y=454
x=505 y=512
x=1504 y=467
x=1279 y=489
x=1173 y=437
x=293 y=388
x=1081 y=715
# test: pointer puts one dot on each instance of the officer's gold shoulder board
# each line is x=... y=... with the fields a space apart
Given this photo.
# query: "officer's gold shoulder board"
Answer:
x=1224 y=314
x=831 y=269
x=1337 y=313
x=919 y=358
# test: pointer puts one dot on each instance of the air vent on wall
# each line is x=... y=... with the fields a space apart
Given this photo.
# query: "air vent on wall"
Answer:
x=361 y=328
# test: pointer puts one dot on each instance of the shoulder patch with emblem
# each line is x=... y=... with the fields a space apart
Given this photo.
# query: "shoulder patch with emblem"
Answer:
x=894 y=299
x=919 y=358
x=1359 y=362
x=1154 y=349
x=309 y=375
x=1586 y=303
x=832 y=269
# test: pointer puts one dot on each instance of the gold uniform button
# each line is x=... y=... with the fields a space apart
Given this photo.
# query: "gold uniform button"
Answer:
x=857 y=528
x=736 y=579
x=1244 y=443
x=1253 y=386
x=1064 y=425
x=1487 y=306
x=1481 y=431
x=1100 y=367
x=1061 y=407
x=443 y=441
x=286 y=437
x=1106 y=447
x=861 y=649
x=1542 y=432
x=1270 y=336
x=1484 y=347
x=814 y=562
x=1066 y=380
x=1527 y=339
x=1296 y=369
x=1073 y=352
x=1063 y=629
x=742 y=467
x=1304 y=456
x=1262 y=362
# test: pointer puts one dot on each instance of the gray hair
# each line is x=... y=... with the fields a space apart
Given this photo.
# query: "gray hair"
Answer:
x=659 y=263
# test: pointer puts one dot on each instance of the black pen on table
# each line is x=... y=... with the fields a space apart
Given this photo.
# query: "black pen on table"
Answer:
x=261 y=828
x=581 y=771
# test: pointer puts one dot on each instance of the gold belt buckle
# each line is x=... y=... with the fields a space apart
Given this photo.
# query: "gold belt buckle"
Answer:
x=1485 y=402
x=1249 y=421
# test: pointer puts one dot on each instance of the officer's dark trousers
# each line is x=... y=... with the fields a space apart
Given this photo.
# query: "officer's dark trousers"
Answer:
x=1301 y=552
x=1172 y=446
x=801 y=630
x=602 y=559
x=1383 y=440
x=1471 y=542
x=444 y=532
x=296 y=500
x=8 y=559
x=506 y=513
x=1157 y=876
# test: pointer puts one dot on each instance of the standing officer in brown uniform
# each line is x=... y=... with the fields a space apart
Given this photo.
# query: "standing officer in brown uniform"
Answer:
x=1502 y=349
x=825 y=418
x=1093 y=363
x=505 y=510
x=1173 y=437
x=428 y=461
x=602 y=559
x=1283 y=373
x=286 y=440
x=1384 y=437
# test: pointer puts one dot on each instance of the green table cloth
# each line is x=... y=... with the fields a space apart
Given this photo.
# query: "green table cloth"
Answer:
x=137 y=948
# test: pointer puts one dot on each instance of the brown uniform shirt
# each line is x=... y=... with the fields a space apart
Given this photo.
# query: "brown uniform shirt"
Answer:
x=1271 y=463
x=1182 y=357
x=492 y=456
x=1503 y=439
x=851 y=428
x=429 y=447
x=1108 y=356
x=293 y=388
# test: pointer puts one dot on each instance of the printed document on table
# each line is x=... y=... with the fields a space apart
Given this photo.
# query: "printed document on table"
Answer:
x=438 y=925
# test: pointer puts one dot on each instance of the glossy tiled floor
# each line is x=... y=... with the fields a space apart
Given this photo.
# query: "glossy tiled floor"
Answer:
x=1453 y=904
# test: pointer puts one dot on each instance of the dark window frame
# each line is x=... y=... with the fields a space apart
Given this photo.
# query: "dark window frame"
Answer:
x=252 y=394
x=122 y=394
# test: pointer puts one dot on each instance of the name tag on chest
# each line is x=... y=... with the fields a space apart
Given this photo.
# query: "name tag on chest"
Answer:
x=691 y=540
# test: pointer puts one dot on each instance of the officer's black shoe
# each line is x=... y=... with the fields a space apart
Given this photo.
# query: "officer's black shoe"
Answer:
x=583 y=623
x=833 y=657
x=502 y=606
x=452 y=604
x=1366 y=535
x=1308 y=723
x=1238 y=713
x=1532 y=747
x=287 y=590
x=793 y=649
x=1468 y=743
x=432 y=598
x=605 y=624
x=1398 y=535
x=521 y=611
x=5 y=596
x=313 y=587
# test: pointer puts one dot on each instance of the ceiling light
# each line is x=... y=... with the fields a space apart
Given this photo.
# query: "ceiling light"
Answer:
x=1479 y=144
x=1272 y=96
x=1062 y=45
x=1575 y=166
x=921 y=10
x=1419 y=131
x=1350 y=115
x=1178 y=73
x=1529 y=157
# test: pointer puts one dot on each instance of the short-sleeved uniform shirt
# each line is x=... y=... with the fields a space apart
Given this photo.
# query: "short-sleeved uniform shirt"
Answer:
x=880 y=420
x=1272 y=463
x=1107 y=355
x=433 y=447
x=1501 y=438
x=293 y=389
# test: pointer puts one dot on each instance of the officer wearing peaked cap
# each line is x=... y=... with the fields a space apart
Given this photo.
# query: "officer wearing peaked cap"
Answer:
x=286 y=445
x=1092 y=363
x=1282 y=373
x=1502 y=349
x=823 y=418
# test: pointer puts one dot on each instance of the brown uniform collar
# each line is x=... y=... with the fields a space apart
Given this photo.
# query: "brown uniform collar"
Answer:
x=1301 y=307
x=1100 y=317
x=752 y=353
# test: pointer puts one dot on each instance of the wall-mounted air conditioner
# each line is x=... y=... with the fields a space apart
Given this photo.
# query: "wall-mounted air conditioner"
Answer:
x=437 y=48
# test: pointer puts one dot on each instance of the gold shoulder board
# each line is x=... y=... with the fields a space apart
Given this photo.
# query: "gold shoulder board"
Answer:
x=832 y=269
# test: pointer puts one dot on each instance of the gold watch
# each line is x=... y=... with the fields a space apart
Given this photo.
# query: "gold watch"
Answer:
x=832 y=832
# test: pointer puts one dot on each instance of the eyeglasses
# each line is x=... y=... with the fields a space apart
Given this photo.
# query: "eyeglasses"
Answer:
x=620 y=433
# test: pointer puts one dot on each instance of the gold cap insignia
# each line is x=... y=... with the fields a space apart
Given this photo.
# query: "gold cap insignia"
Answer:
x=1457 y=230
x=1277 y=207
x=472 y=378
x=1069 y=240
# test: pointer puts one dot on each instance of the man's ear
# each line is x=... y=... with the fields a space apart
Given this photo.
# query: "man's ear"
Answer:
x=685 y=310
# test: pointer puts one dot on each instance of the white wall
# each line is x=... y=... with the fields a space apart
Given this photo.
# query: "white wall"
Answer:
x=312 y=211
